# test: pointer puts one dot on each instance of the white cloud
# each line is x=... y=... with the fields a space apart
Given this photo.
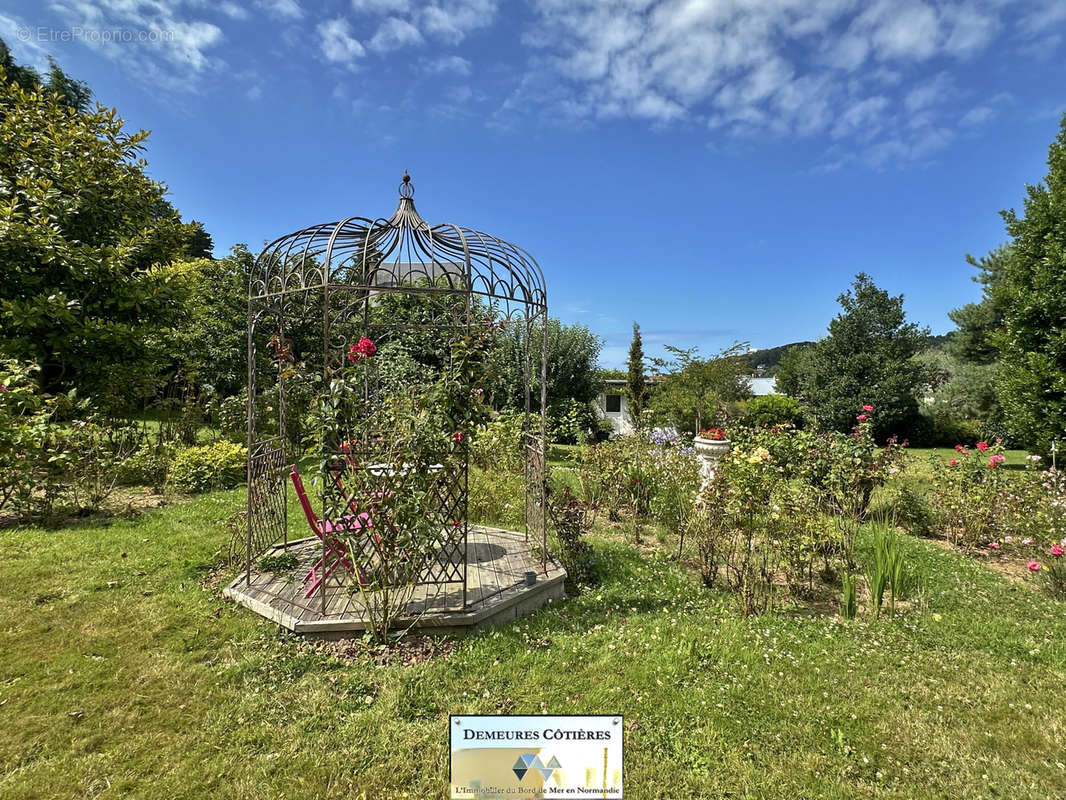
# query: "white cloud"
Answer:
x=452 y=20
x=857 y=71
x=158 y=41
x=381 y=6
x=449 y=21
x=233 y=10
x=282 y=9
x=337 y=43
x=978 y=115
x=454 y=64
x=929 y=94
x=394 y=33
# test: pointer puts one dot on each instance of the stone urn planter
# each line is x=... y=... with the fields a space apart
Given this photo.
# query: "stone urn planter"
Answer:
x=709 y=452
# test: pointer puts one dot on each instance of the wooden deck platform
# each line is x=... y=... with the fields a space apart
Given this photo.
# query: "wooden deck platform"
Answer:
x=496 y=590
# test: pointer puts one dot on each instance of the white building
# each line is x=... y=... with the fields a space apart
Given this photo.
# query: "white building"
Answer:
x=762 y=386
x=612 y=404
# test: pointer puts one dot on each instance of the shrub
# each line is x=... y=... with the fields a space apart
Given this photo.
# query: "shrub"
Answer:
x=231 y=416
x=570 y=520
x=55 y=451
x=149 y=465
x=1055 y=570
x=497 y=444
x=769 y=410
x=211 y=466
x=570 y=422
x=910 y=509
x=971 y=491
x=496 y=498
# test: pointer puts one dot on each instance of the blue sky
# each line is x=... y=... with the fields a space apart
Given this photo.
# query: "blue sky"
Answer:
x=715 y=170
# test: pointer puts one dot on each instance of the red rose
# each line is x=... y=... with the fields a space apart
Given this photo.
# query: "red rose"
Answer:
x=363 y=349
x=982 y=446
x=458 y=437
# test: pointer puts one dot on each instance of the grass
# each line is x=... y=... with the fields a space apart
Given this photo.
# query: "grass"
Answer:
x=120 y=675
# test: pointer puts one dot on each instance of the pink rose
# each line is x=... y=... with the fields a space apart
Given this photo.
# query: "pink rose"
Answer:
x=1033 y=566
x=861 y=418
x=958 y=448
x=1056 y=550
x=993 y=545
x=982 y=446
x=954 y=462
x=867 y=408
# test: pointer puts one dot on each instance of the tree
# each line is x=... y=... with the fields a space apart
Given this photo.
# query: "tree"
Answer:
x=571 y=375
x=1030 y=289
x=978 y=323
x=71 y=93
x=636 y=388
x=198 y=242
x=695 y=390
x=86 y=239
x=791 y=370
x=209 y=342
x=867 y=358
x=962 y=403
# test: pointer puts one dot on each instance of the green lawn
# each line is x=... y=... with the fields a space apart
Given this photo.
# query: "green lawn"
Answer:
x=121 y=676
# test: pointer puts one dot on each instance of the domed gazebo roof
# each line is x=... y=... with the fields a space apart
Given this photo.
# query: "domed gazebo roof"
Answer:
x=375 y=255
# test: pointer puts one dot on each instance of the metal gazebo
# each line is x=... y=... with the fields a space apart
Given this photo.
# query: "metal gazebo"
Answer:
x=313 y=294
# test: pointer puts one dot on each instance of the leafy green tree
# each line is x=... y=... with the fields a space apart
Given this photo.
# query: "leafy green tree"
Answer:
x=71 y=93
x=198 y=242
x=85 y=239
x=977 y=324
x=572 y=352
x=791 y=370
x=694 y=391
x=209 y=342
x=636 y=388
x=868 y=358
x=1031 y=291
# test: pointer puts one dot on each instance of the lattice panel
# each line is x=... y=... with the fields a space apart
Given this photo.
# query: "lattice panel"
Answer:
x=266 y=523
x=444 y=561
x=536 y=478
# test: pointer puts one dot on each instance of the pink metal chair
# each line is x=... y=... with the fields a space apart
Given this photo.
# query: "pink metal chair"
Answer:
x=337 y=554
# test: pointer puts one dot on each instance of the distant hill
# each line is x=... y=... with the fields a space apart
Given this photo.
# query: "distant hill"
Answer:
x=765 y=362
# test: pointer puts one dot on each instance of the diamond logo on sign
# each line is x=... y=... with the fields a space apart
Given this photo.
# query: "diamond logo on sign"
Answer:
x=528 y=761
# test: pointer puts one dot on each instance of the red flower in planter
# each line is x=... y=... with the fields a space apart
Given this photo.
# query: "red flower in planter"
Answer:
x=714 y=434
